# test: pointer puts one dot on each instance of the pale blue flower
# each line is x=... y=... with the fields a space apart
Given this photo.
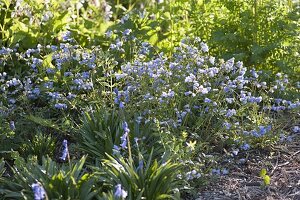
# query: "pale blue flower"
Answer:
x=227 y=125
x=121 y=105
x=127 y=32
x=229 y=100
x=61 y=106
x=225 y=171
x=50 y=71
x=216 y=171
x=108 y=34
x=39 y=191
x=12 y=125
x=66 y=36
x=65 y=152
x=230 y=113
x=190 y=78
x=207 y=100
x=125 y=135
x=296 y=129
x=204 y=47
x=245 y=146
x=119 y=192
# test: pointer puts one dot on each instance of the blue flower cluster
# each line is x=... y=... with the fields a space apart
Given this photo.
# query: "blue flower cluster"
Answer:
x=56 y=73
x=259 y=132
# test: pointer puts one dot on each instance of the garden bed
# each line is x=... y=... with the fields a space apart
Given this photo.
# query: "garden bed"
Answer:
x=132 y=100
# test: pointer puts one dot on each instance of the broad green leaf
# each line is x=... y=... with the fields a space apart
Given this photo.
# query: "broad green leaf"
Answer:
x=47 y=61
x=267 y=180
x=43 y=122
x=263 y=172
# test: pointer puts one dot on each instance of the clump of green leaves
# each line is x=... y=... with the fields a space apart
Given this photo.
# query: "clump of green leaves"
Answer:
x=59 y=181
x=262 y=34
x=101 y=132
x=150 y=179
x=265 y=177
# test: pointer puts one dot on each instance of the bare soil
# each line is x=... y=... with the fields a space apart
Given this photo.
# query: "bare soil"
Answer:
x=244 y=183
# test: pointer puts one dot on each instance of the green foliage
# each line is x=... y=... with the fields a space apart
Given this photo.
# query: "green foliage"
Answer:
x=39 y=22
x=2 y=167
x=162 y=25
x=265 y=177
x=102 y=129
x=262 y=34
x=59 y=181
x=40 y=145
x=259 y=33
x=6 y=135
x=150 y=180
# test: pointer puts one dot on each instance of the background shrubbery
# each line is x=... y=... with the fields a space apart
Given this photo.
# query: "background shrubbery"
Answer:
x=133 y=100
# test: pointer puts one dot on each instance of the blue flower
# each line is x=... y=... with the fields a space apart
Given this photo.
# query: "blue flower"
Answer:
x=216 y=171
x=225 y=171
x=85 y=75
x=207 y=100
x=12 y=125
x=190 y=78
x=204 y=47
x=121 y=105
x=245 y=146
x=127 y=32
x=296 y=129
x=61 y=106
x=235 y=152
x=66 y=36
x=71 y=96
x=227 y=125
x=230 y=113
x=108 y=34
x=254 y=73
x=54 y=95
x=229 y=100
x=229 y=65
x=125 y=135
x=119 y=192
x=48 y=85
x=39 y=191
x=170 y=94
x=65 y=153
x=50 y=71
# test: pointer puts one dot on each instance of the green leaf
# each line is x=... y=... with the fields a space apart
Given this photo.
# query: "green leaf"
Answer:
x=47 y=61
x=2 y=167
x=43 y=122
x=267 y=180
x=263 y=173
x=61 y=21
x=7 y=3
x=153 y=39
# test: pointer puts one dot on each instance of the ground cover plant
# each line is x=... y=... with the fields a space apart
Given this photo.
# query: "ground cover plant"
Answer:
x=119 y=100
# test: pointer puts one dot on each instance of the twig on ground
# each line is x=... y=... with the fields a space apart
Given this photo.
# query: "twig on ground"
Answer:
x=276 y=165
x=295 y=153
x=284 y=164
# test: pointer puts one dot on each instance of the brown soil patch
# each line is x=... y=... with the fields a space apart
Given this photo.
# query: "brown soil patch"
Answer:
x=243 y=182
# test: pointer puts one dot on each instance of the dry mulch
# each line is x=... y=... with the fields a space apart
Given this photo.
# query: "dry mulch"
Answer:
x=243 y=182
